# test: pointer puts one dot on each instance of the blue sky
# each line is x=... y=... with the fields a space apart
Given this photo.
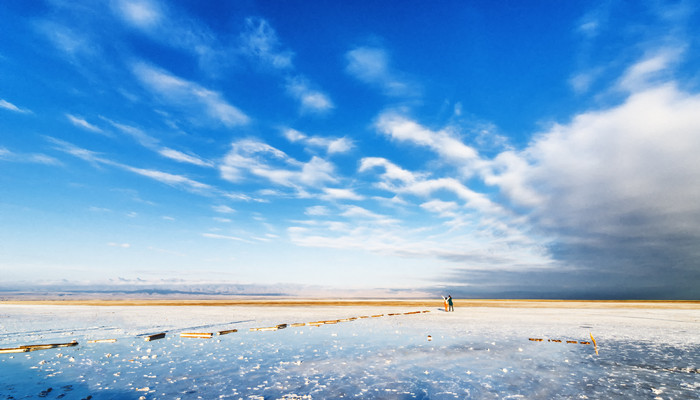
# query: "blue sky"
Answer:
x=518 y=149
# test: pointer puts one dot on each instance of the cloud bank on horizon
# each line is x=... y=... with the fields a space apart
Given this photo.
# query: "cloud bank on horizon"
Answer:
x=492 y=151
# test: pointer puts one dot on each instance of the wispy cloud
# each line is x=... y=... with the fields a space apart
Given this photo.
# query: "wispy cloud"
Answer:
x=226 y=237
x=259 y=41
x=189 y=97
x=9 y=106
x=73 y=44
x=223 y=209
x=443 y=142
x=651 y=70
x=317 y=211
x=311 y=100
x=166 y=24
x=34 y=158
x=167 y=178
x=171 y=179
x=371 y=66
x=340 y=194
x=135 y=133
x=152 y=143
x=400 y=181
x=82 y=123
x=79 y=152
x=144 y=14
x=330 y=145
x=386 y=236
x=183 y=157
x=445 y=209
x=121 y=245
x=251 y=158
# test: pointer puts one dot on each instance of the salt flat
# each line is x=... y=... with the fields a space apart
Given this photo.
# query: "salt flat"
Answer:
x=475 y=352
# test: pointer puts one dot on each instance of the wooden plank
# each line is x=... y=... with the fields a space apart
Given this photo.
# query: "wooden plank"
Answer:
x=226 y=332
x=13 y=350
x=199 y=335
x=266 y=329
x=35 y=347
x=102 y=341
x=155 y=336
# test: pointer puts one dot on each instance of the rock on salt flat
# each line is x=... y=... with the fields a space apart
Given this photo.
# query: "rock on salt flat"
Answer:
x=482 y=353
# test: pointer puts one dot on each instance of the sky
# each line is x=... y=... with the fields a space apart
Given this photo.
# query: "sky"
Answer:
x=487 y=149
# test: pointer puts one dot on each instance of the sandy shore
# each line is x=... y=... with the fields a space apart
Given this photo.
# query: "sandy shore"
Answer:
x=571 y=304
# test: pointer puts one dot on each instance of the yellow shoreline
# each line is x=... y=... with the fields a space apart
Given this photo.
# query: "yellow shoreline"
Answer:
x=287 y=302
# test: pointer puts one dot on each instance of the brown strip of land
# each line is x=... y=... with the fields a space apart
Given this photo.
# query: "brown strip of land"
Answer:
x=287 y=302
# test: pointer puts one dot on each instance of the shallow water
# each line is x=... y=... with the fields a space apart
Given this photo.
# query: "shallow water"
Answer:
x=480 y=354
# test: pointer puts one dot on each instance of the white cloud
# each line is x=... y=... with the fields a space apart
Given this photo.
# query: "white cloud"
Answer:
x=317 y=211
x=121 y=245
x=161 y=176
x=361 y=213
x=66 y=40
x=259 y=41
x=254 y=158
x=223 y=209
x=446 y=209
x=189 y=97
x=82 y=123
x=400 y=181
x=650 y=70
x=333 y=145
x=340 y=194
x=443 y=142
x=369 y=232
x=392 y=172
x=164 y=23
x=9 y=106
x=294 y=135
x=136 y=133
x=79 y=152
x=34 y=158
x=582 y=81
x=637 y=157
x=183 y=158
x=226 y=237
x=170 y=179
x=618 y=188
x=311 y=100
x=371 y=65
x=329 y=144
x=317 y=171
x=152 y=143
x=143 y=14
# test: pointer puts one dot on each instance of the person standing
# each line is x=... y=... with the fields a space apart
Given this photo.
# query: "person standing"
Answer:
x=444 y=301
x=449 y=303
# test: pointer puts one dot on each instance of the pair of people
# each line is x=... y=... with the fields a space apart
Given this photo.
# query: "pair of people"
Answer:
x=449 y=306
